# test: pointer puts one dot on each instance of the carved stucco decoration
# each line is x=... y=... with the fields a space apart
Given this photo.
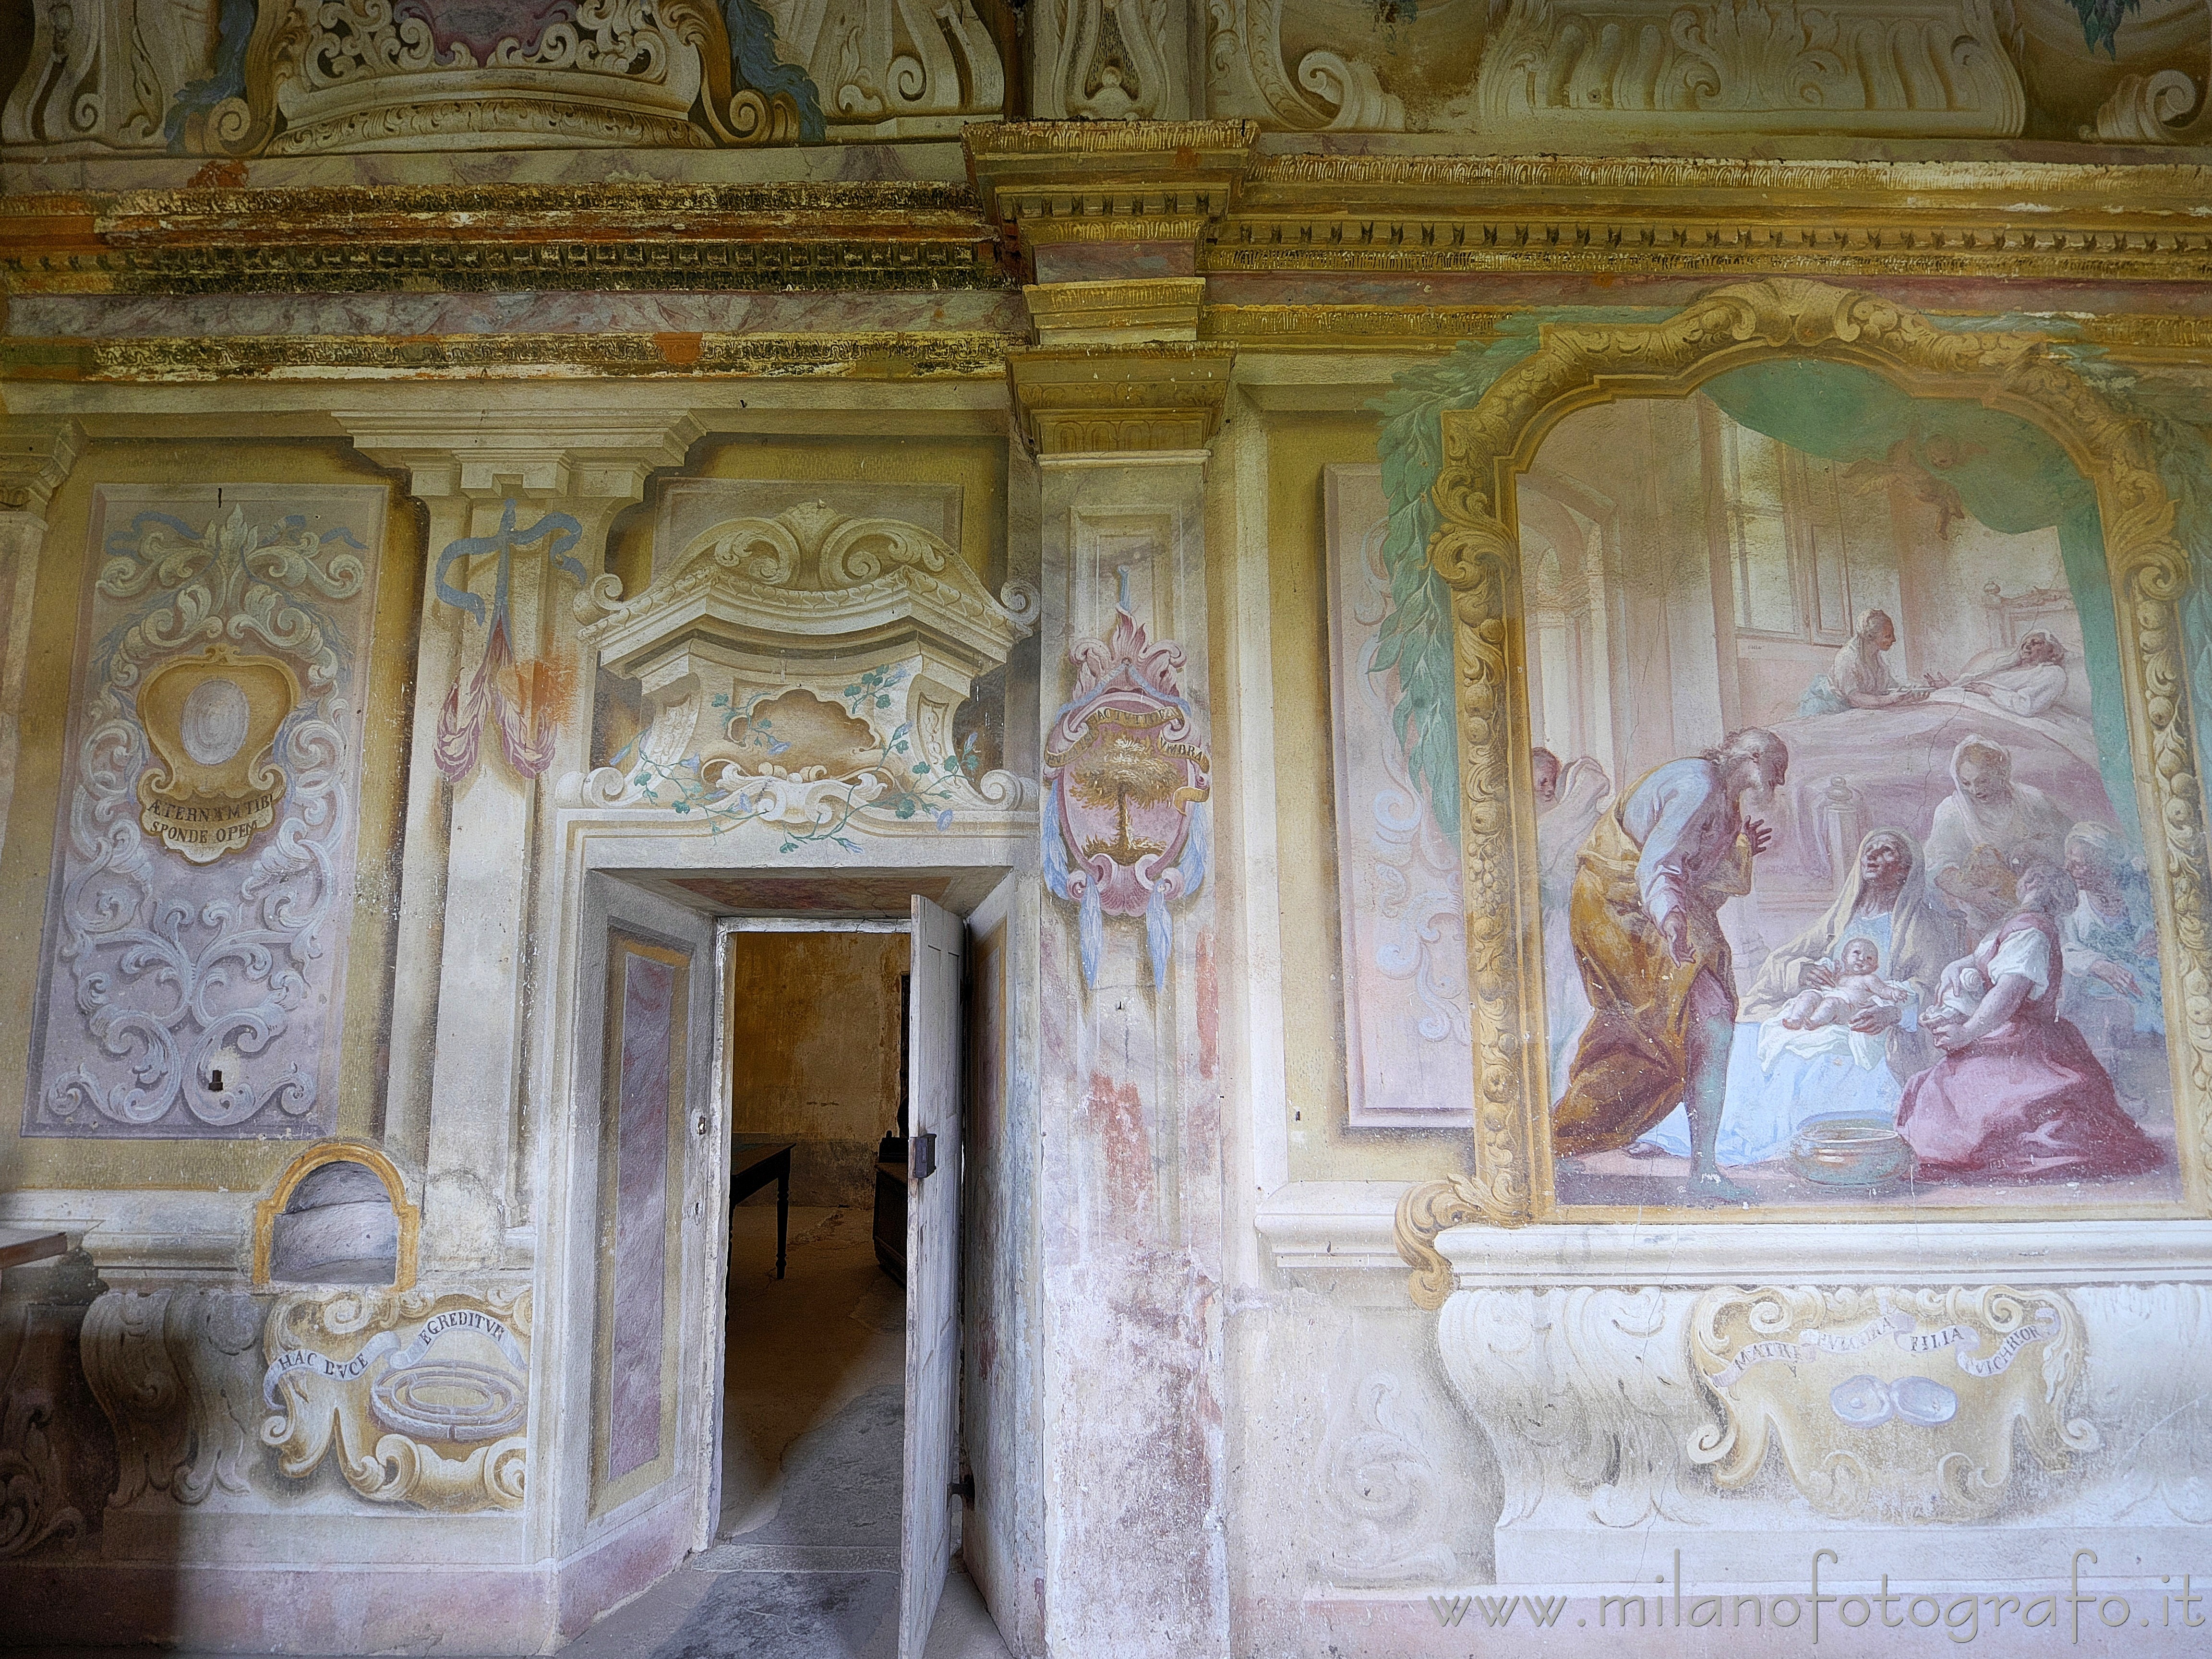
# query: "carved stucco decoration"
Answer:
x=1899 y=1404
x=810 y=665
x=1294 y=65
x=189 y=992
x=102 y=74
x=1109 y=60
x=423 y=1395
x=34 y=1442
x=1477 y=553
x=322 y=75
x=1631 y=69
x=1383 y=1497
x=174 y=1370
x=894 y=68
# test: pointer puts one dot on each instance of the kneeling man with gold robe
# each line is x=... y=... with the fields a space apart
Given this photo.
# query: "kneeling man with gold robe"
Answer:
x=1645 y=919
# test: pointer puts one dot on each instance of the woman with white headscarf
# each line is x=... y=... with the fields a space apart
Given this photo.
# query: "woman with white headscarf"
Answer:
x=1987 y=831
x=1780 y=1079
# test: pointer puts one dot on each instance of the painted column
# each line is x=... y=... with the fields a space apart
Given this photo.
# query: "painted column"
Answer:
x=518 y=520
x=36 y=454
x=1129 y=1194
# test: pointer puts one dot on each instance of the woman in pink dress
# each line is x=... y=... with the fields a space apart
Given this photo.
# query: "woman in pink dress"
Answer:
x=2018 y=1095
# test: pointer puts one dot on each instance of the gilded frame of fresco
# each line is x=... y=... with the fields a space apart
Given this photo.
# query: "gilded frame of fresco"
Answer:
x=1477 y=552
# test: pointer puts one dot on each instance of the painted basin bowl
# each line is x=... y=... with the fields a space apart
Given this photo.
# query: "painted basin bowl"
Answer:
x=1850 y=1151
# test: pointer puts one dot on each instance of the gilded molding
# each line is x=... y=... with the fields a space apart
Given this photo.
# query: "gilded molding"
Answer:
x=967 y=355
x=1087 y=139
x=2151 y=339
x=1044 y=181
x=1102 y=314
x=1090 y=399
x=1656 y=216
x=474 y=237
x=1356 y=328
x=1476 y=552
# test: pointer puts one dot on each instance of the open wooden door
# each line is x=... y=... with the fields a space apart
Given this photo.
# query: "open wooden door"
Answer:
x=932 y=1270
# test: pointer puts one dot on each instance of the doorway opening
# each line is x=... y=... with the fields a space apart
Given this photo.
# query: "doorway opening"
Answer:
x=836 y=1390
x=815 y=1336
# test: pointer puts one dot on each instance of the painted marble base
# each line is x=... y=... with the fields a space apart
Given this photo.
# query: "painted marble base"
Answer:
x=307 y=1606
x=1753 y=1394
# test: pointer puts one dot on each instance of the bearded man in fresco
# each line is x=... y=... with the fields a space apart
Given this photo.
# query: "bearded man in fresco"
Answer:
x=1645 y=919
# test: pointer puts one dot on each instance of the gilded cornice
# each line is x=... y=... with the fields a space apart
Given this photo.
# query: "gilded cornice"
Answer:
x=368 y=238
x=1197 y=182
x=1076 y=181
x=1612 y=215
x=2152 y=339
x=870 y=356
x=1119 y=399
x=1109 y=312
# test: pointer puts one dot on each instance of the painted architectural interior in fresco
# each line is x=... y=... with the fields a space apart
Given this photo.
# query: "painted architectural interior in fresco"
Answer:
x=1348 y=829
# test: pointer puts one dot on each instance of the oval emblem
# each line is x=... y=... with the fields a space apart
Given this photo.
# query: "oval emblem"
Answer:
x=214 y=721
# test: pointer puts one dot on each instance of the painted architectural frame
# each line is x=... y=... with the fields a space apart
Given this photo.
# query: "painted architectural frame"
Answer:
x=1477 y=553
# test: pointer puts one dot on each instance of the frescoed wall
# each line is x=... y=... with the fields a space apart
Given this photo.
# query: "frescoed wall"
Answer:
x=1557 y=659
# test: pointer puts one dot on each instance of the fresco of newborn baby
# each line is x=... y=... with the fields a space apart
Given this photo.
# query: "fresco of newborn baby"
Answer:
x=1857 y=988
x=1964 y=987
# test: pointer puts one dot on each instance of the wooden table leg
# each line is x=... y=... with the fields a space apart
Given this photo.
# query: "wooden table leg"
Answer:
x=782 y=1212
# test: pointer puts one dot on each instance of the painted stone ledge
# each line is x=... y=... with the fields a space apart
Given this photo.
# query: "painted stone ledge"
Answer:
x=1764 y=1391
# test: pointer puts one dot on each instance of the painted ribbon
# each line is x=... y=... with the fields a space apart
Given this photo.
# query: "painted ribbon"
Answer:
x=387 y=1342
x=1810 y=1343
x=1965 y=1338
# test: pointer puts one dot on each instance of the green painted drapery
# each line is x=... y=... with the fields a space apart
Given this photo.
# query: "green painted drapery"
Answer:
x=2009 y=474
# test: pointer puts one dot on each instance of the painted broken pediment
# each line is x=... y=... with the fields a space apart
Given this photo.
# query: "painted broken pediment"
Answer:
x=800 y=668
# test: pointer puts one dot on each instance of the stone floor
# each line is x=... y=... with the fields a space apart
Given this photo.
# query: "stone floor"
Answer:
x=805 y=1565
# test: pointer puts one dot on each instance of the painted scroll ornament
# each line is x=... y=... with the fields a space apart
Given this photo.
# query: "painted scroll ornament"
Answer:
x=1894 y=1402
x=424 y=1394
x=184 y=994
x=1126 y=776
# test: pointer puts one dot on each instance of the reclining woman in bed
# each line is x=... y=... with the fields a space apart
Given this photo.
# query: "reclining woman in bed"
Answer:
x=1782 y=1077
x=2030 y=681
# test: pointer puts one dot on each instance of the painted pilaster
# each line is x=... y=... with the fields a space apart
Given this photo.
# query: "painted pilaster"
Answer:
x=1129 y=1196
x=36 y=454
x=516 y=512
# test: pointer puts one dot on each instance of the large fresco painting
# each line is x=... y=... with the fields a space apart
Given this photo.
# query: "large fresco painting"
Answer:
x=193 y=967
x=1799 y=755
x=1841 y=891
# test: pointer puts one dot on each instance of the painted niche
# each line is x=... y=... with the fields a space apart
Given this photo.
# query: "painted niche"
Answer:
x=197 y=925
x=338 y=1216
x=802 y=664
